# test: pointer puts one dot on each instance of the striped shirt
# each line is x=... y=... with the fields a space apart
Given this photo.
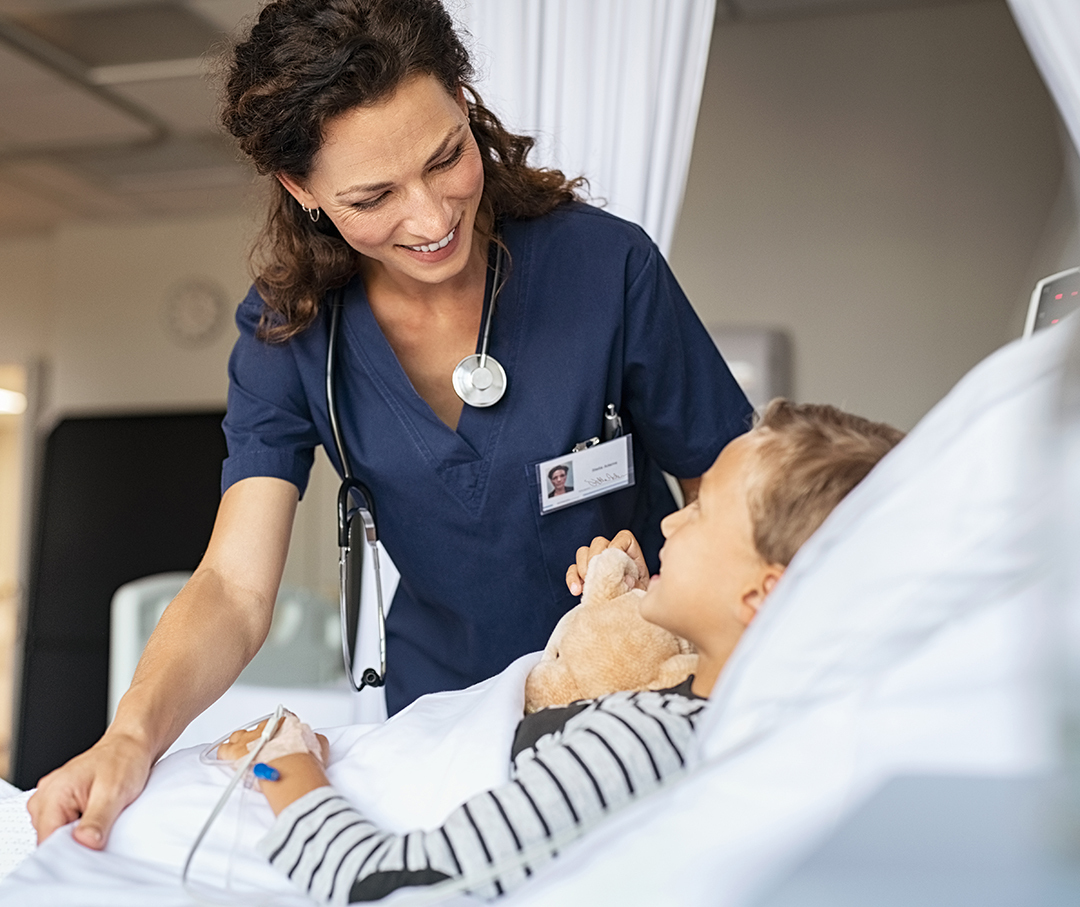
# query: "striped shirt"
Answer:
x=615 y=749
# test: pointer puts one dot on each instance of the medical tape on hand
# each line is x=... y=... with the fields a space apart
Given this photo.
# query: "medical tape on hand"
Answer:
x=292 y=736
x=242 y=766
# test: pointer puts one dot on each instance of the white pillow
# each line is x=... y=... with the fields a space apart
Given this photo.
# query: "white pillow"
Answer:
x=951 y=521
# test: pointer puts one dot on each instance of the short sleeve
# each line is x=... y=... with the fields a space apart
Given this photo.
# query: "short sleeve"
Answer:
x=684 y=404
x=268 y=425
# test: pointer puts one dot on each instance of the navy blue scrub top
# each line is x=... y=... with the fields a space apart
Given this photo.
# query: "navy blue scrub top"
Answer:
x=590 y=315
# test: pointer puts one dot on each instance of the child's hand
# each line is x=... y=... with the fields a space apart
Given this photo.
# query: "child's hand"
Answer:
x=236 y=747
x=575 y=574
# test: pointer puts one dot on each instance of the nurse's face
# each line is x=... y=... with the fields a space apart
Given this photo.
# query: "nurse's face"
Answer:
x=401 y=180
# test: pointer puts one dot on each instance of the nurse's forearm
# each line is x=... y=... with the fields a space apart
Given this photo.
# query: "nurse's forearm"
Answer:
x=201 y=644
x=217 y=623
x=206 y=636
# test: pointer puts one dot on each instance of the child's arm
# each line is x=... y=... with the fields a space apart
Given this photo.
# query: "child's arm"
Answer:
x=299 y=773
x=623 y=747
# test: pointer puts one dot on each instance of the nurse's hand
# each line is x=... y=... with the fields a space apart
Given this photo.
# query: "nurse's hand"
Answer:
x=625 y=541
x=96 y=786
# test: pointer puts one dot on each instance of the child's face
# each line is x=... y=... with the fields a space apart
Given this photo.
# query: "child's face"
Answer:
x=712 y=578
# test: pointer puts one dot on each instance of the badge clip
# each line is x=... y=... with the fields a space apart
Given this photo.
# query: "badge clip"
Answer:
x=585 y=445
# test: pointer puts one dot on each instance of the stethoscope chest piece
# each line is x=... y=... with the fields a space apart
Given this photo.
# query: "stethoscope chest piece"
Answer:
x=479 y=380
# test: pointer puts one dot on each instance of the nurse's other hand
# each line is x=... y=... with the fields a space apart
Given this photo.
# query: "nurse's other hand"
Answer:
x=625 y=541
x=96 y=786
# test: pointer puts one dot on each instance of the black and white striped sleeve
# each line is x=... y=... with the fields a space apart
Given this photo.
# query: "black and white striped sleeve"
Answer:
x=619 y=748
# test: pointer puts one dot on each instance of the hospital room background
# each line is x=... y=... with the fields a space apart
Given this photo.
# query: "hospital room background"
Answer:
x=879 y=183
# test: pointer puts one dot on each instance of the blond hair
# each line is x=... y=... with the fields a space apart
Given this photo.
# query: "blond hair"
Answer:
x=809 y=457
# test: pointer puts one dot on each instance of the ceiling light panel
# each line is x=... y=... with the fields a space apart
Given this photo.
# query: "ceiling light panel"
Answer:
x=118 y=35
x=67 y=187
x=178 y=160
x=186 y=106
x=40 y=109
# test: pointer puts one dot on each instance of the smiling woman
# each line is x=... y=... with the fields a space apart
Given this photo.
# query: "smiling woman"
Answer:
x=406 y=232
x=412 y=221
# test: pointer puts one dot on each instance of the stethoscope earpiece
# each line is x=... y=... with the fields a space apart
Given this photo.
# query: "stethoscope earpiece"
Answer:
x=371 y=678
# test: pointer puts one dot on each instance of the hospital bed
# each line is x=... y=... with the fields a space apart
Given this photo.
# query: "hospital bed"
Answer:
x=909 y=636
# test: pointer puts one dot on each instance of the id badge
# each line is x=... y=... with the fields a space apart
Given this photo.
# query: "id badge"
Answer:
x=584 y=474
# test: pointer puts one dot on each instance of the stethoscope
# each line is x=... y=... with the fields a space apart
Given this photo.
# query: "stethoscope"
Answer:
x=480 y=381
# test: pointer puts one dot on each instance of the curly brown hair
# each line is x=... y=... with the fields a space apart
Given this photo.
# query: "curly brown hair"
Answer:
x=809 y=457
x=305 y=62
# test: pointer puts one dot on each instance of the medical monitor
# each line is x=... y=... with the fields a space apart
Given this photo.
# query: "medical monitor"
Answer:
x=1054 y=297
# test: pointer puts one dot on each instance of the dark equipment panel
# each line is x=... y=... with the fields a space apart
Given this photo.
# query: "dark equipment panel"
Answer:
x=1056 y=299
x=118 y=498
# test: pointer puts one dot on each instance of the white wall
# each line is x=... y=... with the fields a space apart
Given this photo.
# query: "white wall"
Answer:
x=1059 y=244
x=25 y=298
x=878 y=185
x=89 y=299
x=109 y=346
x=10 y=500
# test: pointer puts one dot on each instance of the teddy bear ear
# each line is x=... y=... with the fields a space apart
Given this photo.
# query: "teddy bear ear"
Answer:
x=610 y=574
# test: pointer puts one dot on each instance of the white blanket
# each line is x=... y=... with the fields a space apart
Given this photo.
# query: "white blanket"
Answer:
x=408 y=773
x=903 y=638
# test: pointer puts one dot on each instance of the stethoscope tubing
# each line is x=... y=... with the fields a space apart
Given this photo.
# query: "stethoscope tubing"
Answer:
x=495 y=288
x=470 y=394
x=349 y=485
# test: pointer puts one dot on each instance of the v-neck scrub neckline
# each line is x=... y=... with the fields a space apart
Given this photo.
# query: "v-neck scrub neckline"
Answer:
x=364 y=337
x=589 y=314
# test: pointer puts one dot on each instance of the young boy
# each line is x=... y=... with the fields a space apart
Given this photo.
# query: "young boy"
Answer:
x=767 y=492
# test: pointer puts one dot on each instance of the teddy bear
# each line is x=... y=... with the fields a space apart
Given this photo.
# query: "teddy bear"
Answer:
x=604 y=644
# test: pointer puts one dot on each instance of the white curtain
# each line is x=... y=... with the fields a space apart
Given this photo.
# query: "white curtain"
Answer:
x=1051 y=29
x=609 y=88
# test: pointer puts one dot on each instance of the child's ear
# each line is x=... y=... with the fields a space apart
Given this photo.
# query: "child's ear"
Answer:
x=755 y=596
x=771 y=578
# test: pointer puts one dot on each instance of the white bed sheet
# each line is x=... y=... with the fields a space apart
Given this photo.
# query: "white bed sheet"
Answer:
x=408 y=773
x=904 y=637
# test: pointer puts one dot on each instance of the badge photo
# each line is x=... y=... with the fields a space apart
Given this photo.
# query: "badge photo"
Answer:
x=583 y=474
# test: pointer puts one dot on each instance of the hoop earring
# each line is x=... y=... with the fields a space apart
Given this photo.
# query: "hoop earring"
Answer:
x=313 y=213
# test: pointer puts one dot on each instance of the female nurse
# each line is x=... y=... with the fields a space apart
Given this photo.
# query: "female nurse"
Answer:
x=392 y=184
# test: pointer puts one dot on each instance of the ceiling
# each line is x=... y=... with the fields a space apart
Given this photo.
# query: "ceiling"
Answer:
x=108 y=108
